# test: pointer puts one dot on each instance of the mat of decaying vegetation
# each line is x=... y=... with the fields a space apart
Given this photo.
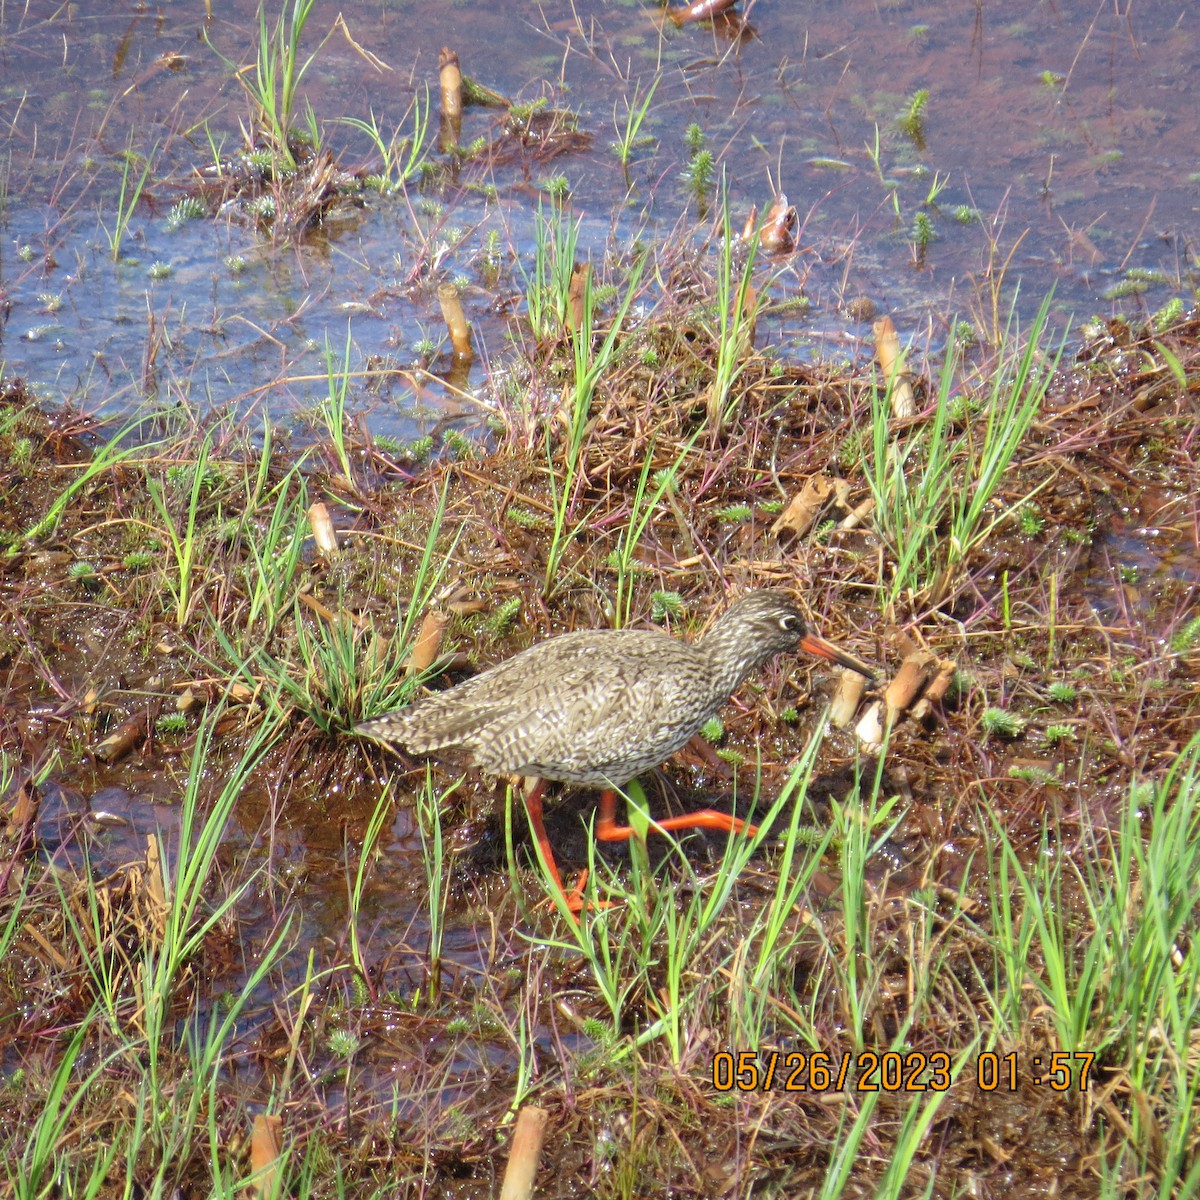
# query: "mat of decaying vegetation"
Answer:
x=170 y=627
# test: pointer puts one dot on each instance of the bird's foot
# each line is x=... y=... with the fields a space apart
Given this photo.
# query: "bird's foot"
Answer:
x=577 y=902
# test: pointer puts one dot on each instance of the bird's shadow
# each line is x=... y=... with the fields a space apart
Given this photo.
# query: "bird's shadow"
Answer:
x=570 y=816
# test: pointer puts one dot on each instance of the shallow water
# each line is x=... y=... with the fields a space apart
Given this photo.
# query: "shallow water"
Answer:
x=1062 y=135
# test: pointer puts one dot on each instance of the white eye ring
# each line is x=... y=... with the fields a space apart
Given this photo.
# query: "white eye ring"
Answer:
x=788 y=623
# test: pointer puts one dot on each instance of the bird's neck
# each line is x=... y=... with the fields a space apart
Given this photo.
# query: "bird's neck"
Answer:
x=730 y=654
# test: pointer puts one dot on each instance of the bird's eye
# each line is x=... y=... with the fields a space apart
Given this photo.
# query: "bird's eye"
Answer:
x=789 y=623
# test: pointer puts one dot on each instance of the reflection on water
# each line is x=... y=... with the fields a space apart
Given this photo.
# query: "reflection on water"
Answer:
x=938 y=155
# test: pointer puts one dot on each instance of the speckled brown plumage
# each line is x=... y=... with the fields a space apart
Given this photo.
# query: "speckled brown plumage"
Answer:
x=598 y=707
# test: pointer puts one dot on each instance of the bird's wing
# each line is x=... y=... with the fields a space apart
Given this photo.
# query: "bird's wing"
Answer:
x=588 y=705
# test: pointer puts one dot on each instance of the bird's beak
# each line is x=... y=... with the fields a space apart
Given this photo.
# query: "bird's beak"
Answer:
x=823 y=649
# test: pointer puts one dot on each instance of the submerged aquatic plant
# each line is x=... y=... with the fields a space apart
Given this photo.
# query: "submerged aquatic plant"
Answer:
x=911 y=122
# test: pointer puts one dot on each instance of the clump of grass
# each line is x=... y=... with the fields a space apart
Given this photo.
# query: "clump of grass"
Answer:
x=731 y=514
x=598 y=1031
x=1125 y=288
x=392 y=446
x=343 y=1043
x=171 y=724
x=272 y=86
x=491 y=258
x=620 y=562
x=664 y=605
x=1187 y=637
x=518 y=514
x=1038 y=776
x=934 y=490
x=1032 y=522
x=457 y=445
x=966 y=336
x=423 y=350
x=502 y=618
x=699 y=175
x=713 y=730
x=557 y=187
x=135 y=174
x=522 y=112
x=1061 y=692
x=701 y=168
x=182 y=211
x=629 y=135
x=419 y=449
x=1059 y=733
x=1002 y=723
x=1167 y=317
x=851 y=449
x=404 y=152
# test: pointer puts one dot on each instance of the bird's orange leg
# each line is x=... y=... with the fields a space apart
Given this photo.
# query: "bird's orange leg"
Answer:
x=533 y=807
x=608 y=830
